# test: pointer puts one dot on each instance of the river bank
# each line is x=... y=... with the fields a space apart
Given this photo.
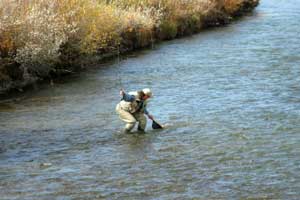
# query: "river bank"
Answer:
x=76 y=34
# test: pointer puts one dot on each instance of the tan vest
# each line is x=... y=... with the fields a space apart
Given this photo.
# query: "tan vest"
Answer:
x=132 y=107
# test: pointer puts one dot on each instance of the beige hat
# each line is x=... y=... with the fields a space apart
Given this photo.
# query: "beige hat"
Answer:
x=147 y=92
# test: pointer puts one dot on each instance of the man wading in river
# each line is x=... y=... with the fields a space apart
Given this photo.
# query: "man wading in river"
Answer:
x=132 y=108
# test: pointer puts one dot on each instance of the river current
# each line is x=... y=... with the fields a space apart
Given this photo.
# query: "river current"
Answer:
x=230 y=100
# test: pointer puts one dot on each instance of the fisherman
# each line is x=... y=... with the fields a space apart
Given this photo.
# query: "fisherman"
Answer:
x=132 y=108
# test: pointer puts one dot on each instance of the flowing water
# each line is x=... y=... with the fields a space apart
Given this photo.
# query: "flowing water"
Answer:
x=230 y=97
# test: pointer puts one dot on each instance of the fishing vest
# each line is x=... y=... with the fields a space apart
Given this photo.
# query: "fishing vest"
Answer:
x=134 y=106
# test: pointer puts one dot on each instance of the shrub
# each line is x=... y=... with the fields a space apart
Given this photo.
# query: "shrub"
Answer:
x=43 y=31
x=10 y=27
x=32 y=32
x=167 y=30
x=138 y=24
x=97 y=26
x=232 y=6
x=37 y=36
x=185 y=15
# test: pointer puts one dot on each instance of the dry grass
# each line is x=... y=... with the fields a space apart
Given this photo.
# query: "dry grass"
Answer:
x=232 y=6
x=34 y=33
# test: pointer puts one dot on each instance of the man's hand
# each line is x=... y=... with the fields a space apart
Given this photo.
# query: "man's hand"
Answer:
x=122 y=92
x=150 y=117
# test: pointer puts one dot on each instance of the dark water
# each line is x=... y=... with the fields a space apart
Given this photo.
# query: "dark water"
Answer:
x=230 y=97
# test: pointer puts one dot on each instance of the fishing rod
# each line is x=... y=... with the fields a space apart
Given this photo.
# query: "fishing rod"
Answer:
x=118 y=67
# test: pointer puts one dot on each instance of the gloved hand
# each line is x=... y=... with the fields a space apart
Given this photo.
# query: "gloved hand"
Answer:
x=122 y=92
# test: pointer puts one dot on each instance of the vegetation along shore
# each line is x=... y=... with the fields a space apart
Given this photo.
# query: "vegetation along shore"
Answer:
x=41 y=39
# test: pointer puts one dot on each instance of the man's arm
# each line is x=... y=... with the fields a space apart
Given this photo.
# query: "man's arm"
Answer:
x=127 y=97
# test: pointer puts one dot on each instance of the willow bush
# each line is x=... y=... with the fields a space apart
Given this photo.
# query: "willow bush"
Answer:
x=39 y=35
x=232 y=6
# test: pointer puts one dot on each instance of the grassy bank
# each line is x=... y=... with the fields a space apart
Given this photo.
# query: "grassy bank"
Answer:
x=42 y=39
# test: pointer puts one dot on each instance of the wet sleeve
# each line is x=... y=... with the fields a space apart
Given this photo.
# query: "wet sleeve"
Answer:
x=128 y=97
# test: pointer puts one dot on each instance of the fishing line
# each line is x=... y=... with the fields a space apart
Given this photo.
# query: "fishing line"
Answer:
x=119 y=69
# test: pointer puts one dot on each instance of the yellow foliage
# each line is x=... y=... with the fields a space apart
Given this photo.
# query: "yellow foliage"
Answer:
x=231 y=6
x=38 y=28
x=97 y=23
x=6 y=44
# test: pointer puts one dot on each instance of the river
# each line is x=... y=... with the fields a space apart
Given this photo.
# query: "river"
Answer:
x=229 y=96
